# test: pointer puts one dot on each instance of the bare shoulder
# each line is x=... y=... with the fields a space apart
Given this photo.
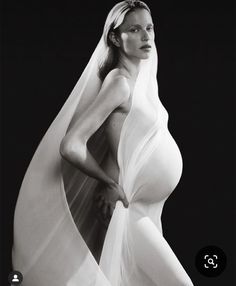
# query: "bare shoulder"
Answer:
x=116 y=84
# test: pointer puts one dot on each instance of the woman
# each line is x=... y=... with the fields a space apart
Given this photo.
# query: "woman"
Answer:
x=102 y=201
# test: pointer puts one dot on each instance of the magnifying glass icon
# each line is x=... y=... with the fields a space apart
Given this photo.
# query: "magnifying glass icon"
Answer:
x=210 y=261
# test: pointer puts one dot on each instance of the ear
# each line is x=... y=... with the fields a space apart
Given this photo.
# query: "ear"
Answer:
x=114 y=39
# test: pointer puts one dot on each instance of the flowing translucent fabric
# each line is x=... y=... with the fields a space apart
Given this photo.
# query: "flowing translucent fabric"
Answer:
x=57 y=236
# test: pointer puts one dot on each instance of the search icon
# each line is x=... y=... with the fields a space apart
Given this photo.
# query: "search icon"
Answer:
x=210 y=261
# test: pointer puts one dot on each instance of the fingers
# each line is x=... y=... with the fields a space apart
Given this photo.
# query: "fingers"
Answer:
x=103 y=205
x=105 y=210
x=111 y=210
x=100 y=201
x=125 y=202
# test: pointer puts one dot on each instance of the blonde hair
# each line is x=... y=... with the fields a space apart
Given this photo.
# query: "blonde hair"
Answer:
x=114 y=19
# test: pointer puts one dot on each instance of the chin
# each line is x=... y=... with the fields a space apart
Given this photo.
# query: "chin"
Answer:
x=145 y=57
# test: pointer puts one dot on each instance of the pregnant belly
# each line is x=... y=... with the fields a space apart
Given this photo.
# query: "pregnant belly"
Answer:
x=161 y=173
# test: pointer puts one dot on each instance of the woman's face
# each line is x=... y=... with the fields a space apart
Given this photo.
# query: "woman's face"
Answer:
x=136 y=37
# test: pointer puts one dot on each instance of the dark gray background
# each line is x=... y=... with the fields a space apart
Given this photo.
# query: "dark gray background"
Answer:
x=45 y=48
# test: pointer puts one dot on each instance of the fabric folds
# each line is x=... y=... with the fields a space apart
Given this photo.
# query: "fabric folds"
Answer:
x=57 y=237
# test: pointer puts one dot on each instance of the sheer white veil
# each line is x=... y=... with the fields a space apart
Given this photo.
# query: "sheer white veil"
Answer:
x=57 y=236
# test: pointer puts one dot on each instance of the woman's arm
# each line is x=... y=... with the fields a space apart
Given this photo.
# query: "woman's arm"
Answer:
x=115 y=90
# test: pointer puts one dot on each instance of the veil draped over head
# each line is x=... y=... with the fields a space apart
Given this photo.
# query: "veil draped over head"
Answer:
x=56 y=228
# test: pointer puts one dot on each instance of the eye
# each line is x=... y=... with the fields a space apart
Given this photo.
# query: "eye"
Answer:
x=150 y=28
x=134 y=30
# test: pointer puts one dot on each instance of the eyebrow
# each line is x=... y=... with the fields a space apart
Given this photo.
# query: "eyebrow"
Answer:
x=138 y=25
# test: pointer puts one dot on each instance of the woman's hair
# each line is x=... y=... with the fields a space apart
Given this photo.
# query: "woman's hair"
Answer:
x=114 y=19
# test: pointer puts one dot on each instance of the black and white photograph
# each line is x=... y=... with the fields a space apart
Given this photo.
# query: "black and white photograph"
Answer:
x=118 y=143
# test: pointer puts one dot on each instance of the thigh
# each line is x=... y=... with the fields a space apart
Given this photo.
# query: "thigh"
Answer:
x=155 y=257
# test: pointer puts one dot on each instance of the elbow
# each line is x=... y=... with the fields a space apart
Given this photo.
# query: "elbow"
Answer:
x=65 y=149
x=71 y=148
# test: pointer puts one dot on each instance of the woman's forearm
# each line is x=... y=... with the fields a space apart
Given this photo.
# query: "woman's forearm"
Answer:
x=79 y=156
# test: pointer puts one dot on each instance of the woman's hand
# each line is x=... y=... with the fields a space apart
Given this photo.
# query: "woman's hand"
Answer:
x=106 y=199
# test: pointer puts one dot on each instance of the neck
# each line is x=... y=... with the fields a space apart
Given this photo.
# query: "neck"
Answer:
x=131 y=66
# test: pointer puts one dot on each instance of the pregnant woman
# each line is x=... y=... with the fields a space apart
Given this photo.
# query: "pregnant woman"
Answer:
x=89 y=209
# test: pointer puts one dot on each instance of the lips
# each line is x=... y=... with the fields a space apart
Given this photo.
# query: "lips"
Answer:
x=146 y=47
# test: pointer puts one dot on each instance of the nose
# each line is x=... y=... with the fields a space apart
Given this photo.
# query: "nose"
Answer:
x=145 y=36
